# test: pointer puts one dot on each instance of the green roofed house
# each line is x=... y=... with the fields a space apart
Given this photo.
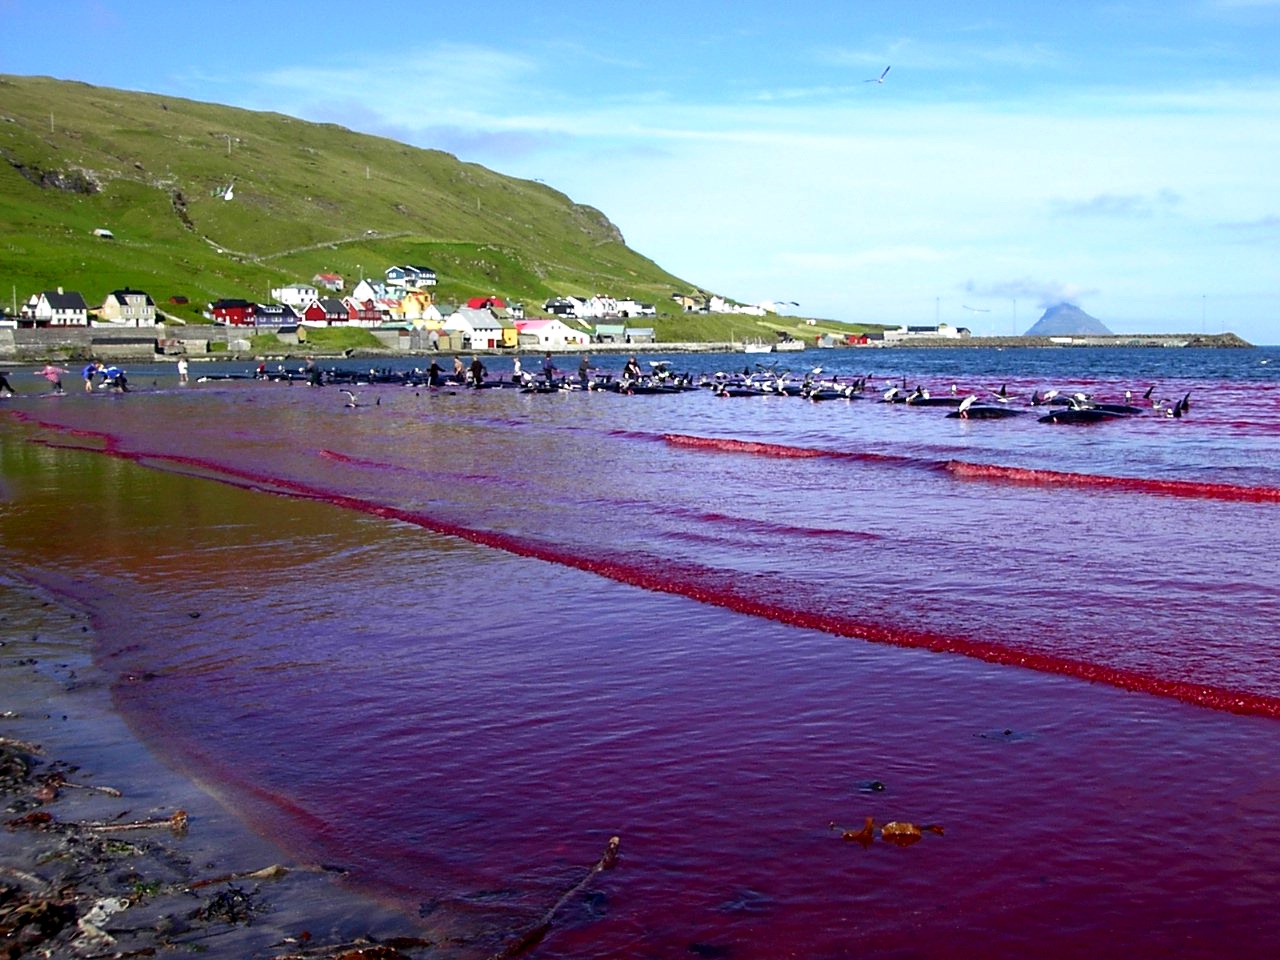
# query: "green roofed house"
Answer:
x=610 y=333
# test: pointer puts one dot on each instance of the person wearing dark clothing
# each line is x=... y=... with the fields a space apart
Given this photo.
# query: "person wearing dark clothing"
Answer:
x=477 y=372
x=548 y=367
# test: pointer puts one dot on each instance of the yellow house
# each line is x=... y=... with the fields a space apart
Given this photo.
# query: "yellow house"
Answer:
x=130 y=308
x=418 y=307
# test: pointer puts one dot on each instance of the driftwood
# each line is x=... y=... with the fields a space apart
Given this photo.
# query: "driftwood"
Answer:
x=177 y=823
x=533 y=934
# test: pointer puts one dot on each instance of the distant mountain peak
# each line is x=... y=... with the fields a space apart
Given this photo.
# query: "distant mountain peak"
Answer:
x=1066 y=319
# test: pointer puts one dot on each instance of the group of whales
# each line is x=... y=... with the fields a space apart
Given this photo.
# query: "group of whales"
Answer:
x=1058 y=406
x=1074 y=407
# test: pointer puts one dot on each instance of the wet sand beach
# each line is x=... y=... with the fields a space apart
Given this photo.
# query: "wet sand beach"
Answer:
x=80 y=874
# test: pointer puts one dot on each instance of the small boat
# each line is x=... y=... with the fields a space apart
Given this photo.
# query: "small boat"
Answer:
x=756 y=346
x=788 y=345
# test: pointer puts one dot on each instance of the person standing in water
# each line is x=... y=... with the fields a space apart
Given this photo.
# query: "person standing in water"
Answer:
x=54 y=375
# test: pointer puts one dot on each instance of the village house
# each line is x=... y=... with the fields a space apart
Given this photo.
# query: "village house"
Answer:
x=55 y=308
x=330 y=281
x=598 y=307
x=418 y=308
x=410 y=277
x=689 y=304
x=296 y=295
x=501 y=308
x=564 y=306
x=128 y=308
x=235 y=313
x=274 y=315
x=368 y=290
x=610 y=333
x=481 y=329
x=633 y=308
x=325 y=312
x=549 y=333
x=362 y=313
x=943 y=331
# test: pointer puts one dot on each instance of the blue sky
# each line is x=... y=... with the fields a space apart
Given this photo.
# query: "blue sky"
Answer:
x=1124 y=156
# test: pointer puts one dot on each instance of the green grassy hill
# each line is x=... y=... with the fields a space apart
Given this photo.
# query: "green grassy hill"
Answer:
x=308 y=198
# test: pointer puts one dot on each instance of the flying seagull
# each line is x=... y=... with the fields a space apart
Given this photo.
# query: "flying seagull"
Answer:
x=879 y=79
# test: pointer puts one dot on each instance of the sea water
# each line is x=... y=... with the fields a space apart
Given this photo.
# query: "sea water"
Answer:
x=454 y=640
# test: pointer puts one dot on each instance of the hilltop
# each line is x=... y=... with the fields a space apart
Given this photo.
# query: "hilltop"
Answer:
x=1066 y=319
x=307 y=198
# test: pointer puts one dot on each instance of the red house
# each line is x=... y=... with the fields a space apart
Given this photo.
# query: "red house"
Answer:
x=362 y=313
x=325 y=311
x=238 y=313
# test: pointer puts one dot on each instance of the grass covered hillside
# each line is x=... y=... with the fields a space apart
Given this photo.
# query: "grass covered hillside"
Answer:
x=307 y=198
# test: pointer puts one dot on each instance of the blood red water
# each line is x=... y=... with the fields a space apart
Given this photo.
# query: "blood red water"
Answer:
x=455 y=642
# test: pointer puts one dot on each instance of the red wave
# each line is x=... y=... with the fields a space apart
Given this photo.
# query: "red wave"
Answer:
x=781 y=451
x=718 y=589
x=1054 y=478
x=964 y=470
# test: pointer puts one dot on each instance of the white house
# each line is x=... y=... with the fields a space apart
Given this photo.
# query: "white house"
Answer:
x=54 y=308
x=943 y=331
x=368 y=290
x=296 y=295
x=550 y=334
x=480 y=328
x=598 y=307
x=565 y=306
x=410 y=277
x=633 y=308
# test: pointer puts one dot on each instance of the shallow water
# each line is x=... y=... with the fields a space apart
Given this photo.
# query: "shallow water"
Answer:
x=457 y=639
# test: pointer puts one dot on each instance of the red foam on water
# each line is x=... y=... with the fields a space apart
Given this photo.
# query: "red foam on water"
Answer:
x=779 y=450
x=995 y=473
x=722 y=590
x=1171 y=488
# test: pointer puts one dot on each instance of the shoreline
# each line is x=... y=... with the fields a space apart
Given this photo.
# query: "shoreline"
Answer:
x=107 y=851
x=57 y=350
